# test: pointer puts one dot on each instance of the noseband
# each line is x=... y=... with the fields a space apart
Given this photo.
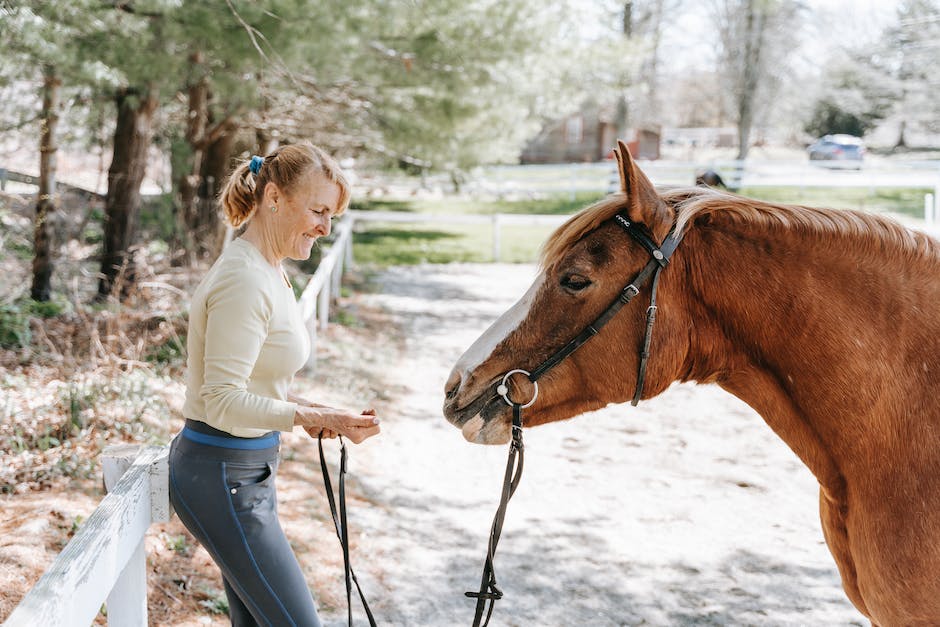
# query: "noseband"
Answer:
x=659 y=259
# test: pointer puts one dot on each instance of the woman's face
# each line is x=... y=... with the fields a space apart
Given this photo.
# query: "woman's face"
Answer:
x=304 y=214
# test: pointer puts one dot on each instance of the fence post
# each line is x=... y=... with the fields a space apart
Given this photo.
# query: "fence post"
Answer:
x=127 y=601
x=311 y=364
x=336 y=276
x=936 y=200
x=323 y=304
x=928 y=209
x=496 y=243
x=737 y=175
x=3 y=179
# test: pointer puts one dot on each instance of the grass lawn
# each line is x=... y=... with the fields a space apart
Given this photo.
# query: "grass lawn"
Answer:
x=382 y=244
x=907 y=201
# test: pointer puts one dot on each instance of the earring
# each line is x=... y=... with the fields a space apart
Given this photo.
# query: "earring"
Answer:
x=273 y=208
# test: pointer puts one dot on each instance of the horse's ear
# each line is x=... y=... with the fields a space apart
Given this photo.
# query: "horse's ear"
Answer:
x=643 y=201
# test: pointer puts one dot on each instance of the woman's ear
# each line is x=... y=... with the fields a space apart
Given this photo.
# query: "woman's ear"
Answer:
x=271 y=194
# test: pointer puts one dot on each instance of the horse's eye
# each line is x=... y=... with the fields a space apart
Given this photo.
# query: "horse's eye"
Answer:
x=575 y=282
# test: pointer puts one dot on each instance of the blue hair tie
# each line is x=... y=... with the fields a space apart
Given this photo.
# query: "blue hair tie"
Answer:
x=255 y=165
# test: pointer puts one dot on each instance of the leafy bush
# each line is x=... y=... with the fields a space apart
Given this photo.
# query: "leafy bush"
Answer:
x=46 y=309
x=14 y=327
x=830 y=117
x=14 y=319
x=170 y=351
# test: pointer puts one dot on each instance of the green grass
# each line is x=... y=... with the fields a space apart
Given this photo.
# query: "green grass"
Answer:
x=902 y=200
x=382 y=244
x=555 y=205
x=407 y=244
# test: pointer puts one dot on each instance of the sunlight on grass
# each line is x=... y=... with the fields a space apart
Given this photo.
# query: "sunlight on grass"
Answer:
x=383 y=244
x=902 y=200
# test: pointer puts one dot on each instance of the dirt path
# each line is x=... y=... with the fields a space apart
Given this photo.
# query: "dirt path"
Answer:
x=685 y=511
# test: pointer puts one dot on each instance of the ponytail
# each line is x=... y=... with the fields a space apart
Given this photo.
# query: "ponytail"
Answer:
x=238 y=195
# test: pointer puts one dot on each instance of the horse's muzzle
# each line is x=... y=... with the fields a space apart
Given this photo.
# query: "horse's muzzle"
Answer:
x=486 y=419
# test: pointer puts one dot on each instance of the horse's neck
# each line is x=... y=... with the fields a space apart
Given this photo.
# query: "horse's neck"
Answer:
x=821 y=343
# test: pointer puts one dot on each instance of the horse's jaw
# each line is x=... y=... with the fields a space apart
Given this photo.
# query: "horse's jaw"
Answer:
x=479 y=431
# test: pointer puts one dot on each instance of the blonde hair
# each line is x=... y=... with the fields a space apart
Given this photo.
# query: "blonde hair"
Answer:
x=284 y=167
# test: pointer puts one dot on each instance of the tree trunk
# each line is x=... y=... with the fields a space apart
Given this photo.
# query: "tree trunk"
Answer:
x=190 y=179
x=132 y=135
x=266 y=141
x=216 y=167
x=43 y=245
x=755 y=26
x=901 y=142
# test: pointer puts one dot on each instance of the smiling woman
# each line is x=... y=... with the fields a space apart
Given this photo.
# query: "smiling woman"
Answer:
x=246 y=341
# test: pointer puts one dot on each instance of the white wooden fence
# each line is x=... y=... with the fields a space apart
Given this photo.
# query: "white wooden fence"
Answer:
x=106 y=560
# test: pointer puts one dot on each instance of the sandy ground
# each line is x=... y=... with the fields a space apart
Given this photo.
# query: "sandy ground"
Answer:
x=684 y=511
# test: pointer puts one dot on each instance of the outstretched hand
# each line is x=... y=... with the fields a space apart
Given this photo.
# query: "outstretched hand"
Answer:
x=332 y=422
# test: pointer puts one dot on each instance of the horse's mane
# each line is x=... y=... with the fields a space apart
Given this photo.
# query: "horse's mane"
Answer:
x=579 y=225
x=867 y=232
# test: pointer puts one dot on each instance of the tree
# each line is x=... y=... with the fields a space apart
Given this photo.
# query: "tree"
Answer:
x=41 y=288
x=136 y=51
x=441 y=85
x=907 y=59
x=854 y=99
x=39 y=36
x=644 y=23
x=755 y=39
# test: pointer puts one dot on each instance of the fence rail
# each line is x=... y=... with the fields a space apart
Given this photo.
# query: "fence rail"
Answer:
x=106 y=559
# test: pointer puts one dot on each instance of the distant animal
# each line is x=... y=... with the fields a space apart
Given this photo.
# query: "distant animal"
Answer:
x=823 y=321
x=710 y=178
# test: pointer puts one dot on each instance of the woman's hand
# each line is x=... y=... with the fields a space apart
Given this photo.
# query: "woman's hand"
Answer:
x=332 y=422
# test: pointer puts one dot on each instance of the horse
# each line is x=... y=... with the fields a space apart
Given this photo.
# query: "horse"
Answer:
x=824 y=321
x=710 y=178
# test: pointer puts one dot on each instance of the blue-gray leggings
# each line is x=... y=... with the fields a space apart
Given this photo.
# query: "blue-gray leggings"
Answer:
x=222 y=488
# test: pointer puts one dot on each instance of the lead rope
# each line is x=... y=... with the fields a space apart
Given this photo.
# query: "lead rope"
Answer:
x=342 y=529
x=488 y=589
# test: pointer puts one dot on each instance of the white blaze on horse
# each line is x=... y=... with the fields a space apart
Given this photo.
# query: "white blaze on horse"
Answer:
x=826 y=322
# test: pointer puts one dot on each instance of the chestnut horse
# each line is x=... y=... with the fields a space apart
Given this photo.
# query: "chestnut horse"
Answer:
x=825 y=322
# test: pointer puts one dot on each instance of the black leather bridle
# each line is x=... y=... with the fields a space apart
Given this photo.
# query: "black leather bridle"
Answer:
x=659 y=259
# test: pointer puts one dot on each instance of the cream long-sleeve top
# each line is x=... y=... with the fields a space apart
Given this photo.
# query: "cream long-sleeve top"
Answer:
x=246 y=341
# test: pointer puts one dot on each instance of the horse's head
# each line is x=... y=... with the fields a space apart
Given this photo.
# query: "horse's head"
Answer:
x=585 y=265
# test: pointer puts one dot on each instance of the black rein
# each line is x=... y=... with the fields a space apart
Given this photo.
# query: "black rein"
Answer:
x=342 y=529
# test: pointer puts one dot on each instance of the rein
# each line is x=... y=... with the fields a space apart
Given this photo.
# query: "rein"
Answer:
x=659 y=259
x=342 y=529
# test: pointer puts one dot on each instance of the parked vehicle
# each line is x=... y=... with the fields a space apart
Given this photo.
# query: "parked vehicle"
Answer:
x=840 y=151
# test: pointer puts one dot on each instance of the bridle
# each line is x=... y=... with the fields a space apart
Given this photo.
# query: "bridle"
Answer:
x=659 y=259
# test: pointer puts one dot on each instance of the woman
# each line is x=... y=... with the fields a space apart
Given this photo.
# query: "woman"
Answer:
x=246 y=341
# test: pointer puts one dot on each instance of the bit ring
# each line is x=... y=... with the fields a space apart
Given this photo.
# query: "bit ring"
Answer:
x=503 y=390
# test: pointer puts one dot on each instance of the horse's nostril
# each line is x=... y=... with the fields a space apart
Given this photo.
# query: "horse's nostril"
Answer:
x=453 y=384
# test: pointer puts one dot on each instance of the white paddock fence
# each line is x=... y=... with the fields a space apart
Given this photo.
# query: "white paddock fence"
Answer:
x=106 y=560
x=537 y=180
